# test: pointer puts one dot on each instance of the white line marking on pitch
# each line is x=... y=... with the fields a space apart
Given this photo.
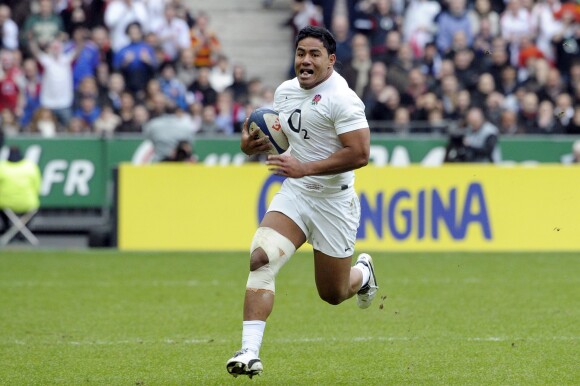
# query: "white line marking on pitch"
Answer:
x=197 y=341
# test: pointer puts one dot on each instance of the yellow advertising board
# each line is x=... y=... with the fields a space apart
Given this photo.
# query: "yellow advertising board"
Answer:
x=450 y=208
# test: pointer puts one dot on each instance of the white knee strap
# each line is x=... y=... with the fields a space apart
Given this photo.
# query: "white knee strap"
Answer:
x=278 y=248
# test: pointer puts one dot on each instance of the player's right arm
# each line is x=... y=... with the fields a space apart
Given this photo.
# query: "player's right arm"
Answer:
x=252 y=144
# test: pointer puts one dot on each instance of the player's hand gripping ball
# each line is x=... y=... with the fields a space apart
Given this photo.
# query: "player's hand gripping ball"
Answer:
x=264 y=121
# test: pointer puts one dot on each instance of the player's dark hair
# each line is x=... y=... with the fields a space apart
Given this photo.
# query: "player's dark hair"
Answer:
x=319 y=33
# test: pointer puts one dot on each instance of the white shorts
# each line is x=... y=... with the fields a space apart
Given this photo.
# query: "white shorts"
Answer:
x=330 y=222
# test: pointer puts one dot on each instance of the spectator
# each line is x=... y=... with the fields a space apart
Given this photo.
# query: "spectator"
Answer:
x=10 y=125
x=546 y=25
x=481 y=13
x=11 y=82
x=255 y=88
x=44 y=123
x=494 y=107
x=430 y=63
x=119 y=14
x=77 y=125
x=88 y=89
x=165 y=132
x=399 y=70
x=402 y=120
x=515 y=23
x=343 y=35
x=107 y=121
x=419 y=24
x=356 y=72
x=140 y=117
x=8 y=29
x=383 y=20
x=221 y=75
x=554 y=86
x=462 y=106
x=204 y=42
x=536 y=74
x=547 y=122
x=209 y=125
x=152 y=88
x=566 y=42
x=42 y=27
x=116 y=86
x=56 y=92
x=436 y=123
x=157 y=104
x=451 y=21
x=100 y=36
x=528 y=51
x=126 y=113
x=305 y=13
x=509 y=123
x=425 y=104
x=136 y=61
x=482 y=42
x=267 y=97
x=389 y=52
x=87 y=61
x=196 y=111
x=377 y=83
x=230 y=115
x=564 y=109
x=388 y=102
x=171 y=86
x=573 y=79
x=184 y=68
x=88 y=111
x=466 y=69
x=240 y=85
x=499 y=59
x=528 y=114
x=182 y=11
x=508 y=81
x=172 y=32
x=75 y=15
x=416 y=86
x=481 y=138
x=30 y=91
x=450 y=88
x=156 y=12
x=485 y=86
x=202 y=89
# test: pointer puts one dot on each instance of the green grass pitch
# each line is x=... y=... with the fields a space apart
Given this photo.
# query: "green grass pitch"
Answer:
x=111 y=318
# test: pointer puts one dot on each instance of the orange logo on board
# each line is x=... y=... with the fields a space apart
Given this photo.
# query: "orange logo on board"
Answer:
x=277 y=126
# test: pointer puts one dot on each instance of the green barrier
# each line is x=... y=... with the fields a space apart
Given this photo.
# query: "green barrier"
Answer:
x=77 y=171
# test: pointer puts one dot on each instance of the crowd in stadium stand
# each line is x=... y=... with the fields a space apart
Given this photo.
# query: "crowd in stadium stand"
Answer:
x=108 y=67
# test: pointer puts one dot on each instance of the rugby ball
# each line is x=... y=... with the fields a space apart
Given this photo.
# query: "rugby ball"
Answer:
x=264 y=121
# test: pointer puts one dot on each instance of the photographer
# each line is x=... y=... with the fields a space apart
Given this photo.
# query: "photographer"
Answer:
x=478 y=141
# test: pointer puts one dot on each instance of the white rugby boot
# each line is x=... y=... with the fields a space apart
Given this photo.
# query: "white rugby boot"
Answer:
x=368 y=292
x=244 y=362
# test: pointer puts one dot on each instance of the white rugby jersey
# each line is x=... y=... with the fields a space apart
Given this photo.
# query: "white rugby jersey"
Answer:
x=313 y=119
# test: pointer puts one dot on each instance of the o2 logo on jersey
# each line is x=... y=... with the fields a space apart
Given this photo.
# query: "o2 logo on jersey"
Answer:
x=295 y=123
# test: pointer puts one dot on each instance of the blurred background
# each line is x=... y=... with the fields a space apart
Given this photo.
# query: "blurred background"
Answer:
x=87 y=85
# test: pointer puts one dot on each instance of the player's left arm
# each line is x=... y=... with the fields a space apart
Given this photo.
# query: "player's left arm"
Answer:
x=353 y=155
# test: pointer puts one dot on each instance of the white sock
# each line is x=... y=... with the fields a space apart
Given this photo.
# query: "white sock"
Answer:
x=252 y=333
x=366 y=273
